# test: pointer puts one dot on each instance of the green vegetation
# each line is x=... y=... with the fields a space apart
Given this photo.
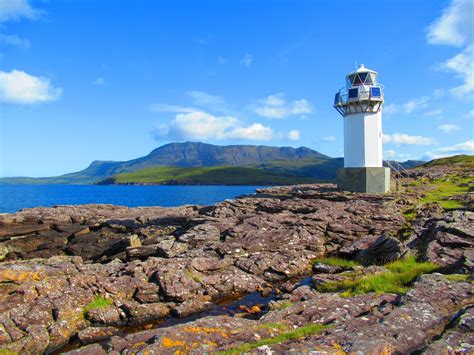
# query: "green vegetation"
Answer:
x=298 y=333
x=401 y=274
x=98 y=302
x=443 y=189
x=7 y=352
x=193 y=277
x=208 y=176
x=410 y=216
x=278 y=326
x=344 y=263
x=285 y=304
x=458 y=277
x=457 y=160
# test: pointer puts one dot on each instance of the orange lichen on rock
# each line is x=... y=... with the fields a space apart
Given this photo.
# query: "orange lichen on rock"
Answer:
x=16 y=276
x=198 y=330
x=170 y=343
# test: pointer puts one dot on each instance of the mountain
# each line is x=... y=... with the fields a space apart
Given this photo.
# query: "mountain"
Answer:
x=187 y=154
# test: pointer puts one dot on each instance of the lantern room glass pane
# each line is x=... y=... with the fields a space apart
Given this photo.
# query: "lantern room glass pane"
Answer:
x=375 y=92
x=351 y=79
x=368 y=80
x=353 y=93
x=373 y=78
x=357 y=80
x=362 y=77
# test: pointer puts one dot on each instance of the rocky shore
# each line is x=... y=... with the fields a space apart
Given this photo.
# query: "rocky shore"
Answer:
x=242 y=275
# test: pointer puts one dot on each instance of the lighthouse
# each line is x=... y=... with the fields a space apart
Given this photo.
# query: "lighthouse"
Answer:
x=360 y=103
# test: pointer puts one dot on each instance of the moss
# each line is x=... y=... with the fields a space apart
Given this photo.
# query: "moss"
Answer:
x=278 y=326
x=344 y=263
x=442 y=190
x=298 y=333
x=98 y=302
x=458 y=277
x=7 y=352
x=194 y=277
x=401 y=274
x=285 y=304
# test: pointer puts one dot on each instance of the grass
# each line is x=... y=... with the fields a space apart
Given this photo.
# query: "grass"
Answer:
x=459 y=160
x=208 y=176
x=401 y=274
x=98 y=302
x=344 y=263
x=278 y=326
x=443 y=189
x=298 y=333
x=458 y=277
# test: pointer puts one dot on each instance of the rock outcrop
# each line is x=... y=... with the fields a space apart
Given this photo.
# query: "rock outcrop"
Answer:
x=160 y=280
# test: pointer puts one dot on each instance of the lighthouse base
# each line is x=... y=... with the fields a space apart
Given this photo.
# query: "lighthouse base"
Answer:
x=370 y=180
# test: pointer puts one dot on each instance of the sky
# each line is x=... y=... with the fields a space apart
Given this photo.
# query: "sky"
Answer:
x=112 y=80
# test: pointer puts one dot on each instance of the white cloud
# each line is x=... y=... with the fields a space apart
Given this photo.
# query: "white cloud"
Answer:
x=199 y=125
x=275 y=106
x=416 y=104
x=201 y=98
x=460 y=148
x=255 y=131
x=18 y=87
x=469 y=114
x=449 y=127
x=294 y=135
x=11 y=10
x=14 y=40
x=171 y=108
x=329 y=139
x=221 y=60
x=246 y=60
x=408 y=107
x=405 y=139
x=438 y=93
x=454 y=28
x=98 y=81
x=390 y=109
x=436 y=112
x=389 y=154
x=463 y=67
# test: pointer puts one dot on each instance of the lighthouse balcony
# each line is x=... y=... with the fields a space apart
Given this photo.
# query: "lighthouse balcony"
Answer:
x=359 y=99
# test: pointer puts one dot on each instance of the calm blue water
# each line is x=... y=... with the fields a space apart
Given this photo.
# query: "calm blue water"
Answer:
x=15 y=197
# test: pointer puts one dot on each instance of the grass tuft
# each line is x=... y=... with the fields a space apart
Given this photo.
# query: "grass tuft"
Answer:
x=297 y=333
x=401 y=273
x=98 y=302
x=444 y=189
x=344 y=263
x=458 y=277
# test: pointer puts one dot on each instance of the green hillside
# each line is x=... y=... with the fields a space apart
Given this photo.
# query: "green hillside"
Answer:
x=206 y=176
x=455 y=160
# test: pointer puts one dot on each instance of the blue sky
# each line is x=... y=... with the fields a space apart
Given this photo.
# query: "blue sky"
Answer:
x=112 y=80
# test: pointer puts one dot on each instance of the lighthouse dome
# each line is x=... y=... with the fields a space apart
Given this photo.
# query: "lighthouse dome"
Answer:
x=361 y=76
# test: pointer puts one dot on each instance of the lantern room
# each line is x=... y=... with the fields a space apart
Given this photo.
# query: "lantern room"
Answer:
x=362 y=93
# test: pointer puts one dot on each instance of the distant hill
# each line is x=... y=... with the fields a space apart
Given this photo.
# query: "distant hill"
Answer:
x=293 y=164
x=206 y=176
x=187 y=154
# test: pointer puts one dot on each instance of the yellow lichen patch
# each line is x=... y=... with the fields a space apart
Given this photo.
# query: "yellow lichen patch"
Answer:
x=199 y=330
x=18 y=276
x=139 y=344
x=170 y=343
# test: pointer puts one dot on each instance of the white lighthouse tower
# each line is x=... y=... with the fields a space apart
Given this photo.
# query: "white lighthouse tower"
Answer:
x=360 y=103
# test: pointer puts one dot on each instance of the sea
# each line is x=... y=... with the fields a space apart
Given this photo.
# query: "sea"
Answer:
x=15 y=197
